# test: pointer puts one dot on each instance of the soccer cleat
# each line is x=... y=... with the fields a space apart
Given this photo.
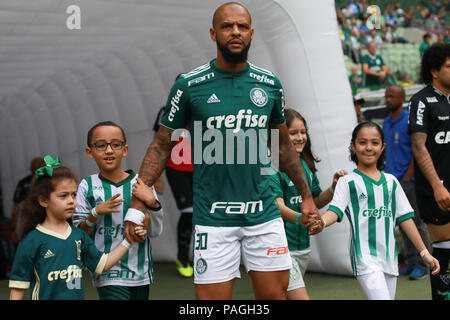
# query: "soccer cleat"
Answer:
x=418 y=273
x=407 y=269
x=185 y=271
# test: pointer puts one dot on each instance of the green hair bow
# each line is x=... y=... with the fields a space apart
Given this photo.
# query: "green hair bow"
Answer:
x=47 y=170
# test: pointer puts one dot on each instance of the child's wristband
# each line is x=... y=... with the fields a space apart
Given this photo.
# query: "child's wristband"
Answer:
x=423 y=253
x=297 y=218
x=90 y=224
x=324 y=223
x=126 y=244
x=94 y=213
x=135 y=216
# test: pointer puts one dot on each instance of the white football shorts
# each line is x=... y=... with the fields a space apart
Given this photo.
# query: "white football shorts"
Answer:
x=218 y=250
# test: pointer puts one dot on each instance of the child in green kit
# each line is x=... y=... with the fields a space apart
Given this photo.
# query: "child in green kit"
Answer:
x=289 y=201
x=50 y=257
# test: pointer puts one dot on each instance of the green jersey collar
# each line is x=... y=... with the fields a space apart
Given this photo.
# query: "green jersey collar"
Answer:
x=130 y=177
x=369 y=179
x=217 y=69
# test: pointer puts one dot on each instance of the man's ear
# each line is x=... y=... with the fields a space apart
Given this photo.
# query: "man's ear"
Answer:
x=434 y=73
x=212 y=34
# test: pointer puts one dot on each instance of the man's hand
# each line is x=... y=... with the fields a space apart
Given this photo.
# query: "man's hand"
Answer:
x=130 y=229
x=310 y=214
x=155 y=160
x=317 y=227
x=442 y=197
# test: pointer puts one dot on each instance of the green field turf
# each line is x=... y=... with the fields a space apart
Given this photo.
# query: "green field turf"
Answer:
x=170 y=286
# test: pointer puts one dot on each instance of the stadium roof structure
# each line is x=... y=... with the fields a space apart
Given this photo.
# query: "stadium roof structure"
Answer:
x=65 y=65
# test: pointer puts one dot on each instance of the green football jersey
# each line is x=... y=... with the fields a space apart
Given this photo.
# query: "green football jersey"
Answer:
x=228 y=116
x=375 y=63
x=297 y=235
x=50 y=264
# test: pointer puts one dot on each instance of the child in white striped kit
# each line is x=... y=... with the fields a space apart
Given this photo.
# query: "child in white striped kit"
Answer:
x=374 y=203
x=102 y=202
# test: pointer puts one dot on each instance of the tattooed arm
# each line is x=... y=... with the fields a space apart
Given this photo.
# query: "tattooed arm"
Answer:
x=291 y=165
x=426 y=165
x=152 y=166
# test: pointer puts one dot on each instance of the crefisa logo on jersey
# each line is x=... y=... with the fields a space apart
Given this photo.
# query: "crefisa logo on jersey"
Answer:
x=296 y=200
x=377 y=213
x=174 y=104
x=259 y=97
x=262 y=78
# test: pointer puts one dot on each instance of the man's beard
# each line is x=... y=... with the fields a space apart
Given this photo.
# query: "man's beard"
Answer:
x=233 y=57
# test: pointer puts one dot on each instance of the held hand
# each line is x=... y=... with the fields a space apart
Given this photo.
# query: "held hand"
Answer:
x=309 y=220
x=145 y=226
x=144 y=193
x=308 y=208
x=317 y=227
x=140 y=231
x=130 y=230
x=130 y=233
x=310 y=214
x=442 y=197
x=109 y=205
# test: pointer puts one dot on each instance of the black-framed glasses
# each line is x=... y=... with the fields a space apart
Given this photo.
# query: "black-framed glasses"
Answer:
x=103 y=145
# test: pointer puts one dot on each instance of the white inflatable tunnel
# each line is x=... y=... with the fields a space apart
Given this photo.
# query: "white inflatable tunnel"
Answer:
x=59 y=75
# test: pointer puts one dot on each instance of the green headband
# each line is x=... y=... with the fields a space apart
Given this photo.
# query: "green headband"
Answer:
x=48 y=169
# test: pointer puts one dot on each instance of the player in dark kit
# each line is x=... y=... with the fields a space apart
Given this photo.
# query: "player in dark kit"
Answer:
x=234 y=207
x=429 y=126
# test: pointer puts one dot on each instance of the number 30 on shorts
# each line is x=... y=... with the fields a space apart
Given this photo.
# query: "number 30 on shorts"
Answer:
x=201 y=241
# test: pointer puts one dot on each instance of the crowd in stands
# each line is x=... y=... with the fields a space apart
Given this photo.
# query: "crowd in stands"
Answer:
x=358 y=27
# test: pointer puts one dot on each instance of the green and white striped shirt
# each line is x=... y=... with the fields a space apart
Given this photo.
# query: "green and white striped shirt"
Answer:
x=373 y=208
x=136 y=267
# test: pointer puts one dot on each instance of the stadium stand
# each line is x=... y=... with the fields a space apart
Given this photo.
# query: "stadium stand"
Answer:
x=402 y=26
